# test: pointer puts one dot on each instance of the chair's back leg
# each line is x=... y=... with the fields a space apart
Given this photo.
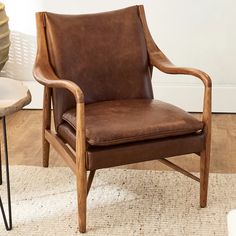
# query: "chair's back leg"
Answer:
x=90 y=180
x=46 y=124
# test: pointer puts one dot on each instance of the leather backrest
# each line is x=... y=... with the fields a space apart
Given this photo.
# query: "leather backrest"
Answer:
x=104 y=53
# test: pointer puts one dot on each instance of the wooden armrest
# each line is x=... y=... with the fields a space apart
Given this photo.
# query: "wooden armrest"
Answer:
x=45 y=75
x=43 y=71
x=160 y=61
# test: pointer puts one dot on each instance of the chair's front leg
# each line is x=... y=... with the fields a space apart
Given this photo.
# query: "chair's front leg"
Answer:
x=81 y=174
x=46 y=124
x=82 y=198
x=205 y=154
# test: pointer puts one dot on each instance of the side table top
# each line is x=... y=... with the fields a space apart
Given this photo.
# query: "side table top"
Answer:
x=13 y=96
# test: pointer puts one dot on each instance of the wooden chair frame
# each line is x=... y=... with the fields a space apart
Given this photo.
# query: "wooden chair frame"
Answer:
x=44 y=74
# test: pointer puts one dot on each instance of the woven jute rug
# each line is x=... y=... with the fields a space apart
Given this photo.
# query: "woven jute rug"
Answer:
x=120 y=202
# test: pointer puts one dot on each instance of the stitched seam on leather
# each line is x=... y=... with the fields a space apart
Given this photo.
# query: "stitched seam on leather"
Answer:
x=137 y=138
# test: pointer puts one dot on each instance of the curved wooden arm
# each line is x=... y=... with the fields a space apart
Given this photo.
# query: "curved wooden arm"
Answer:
x=160 y=61
x=43 y=71
x=45 y=76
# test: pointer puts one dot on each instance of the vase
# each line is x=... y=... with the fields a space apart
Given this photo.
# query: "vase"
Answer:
x=4 y=36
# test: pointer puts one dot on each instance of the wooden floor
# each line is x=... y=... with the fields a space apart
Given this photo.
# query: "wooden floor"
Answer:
x=24 y=138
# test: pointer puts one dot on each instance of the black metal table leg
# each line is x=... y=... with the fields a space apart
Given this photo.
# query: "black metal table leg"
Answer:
x=0 y=166
x=8 y=225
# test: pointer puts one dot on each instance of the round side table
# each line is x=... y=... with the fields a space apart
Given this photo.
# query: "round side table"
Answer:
x=13 y=97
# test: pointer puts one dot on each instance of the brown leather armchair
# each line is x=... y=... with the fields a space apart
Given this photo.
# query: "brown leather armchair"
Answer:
x=97 y=69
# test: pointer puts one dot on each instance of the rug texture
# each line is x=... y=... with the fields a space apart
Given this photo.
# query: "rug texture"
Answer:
x=120 y=202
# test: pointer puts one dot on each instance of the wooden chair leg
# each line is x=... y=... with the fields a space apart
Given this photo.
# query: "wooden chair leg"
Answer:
x=46 y=124
x=46 y=150
x=81 y=173
x=82 y=200
x=205 y=154
x=90 y=180
x=204 y=176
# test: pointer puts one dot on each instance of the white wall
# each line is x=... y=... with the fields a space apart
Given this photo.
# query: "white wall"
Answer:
x=192 y=33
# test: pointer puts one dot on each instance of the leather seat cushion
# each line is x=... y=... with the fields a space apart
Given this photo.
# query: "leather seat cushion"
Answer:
x=123 y=121
x=98 y=157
